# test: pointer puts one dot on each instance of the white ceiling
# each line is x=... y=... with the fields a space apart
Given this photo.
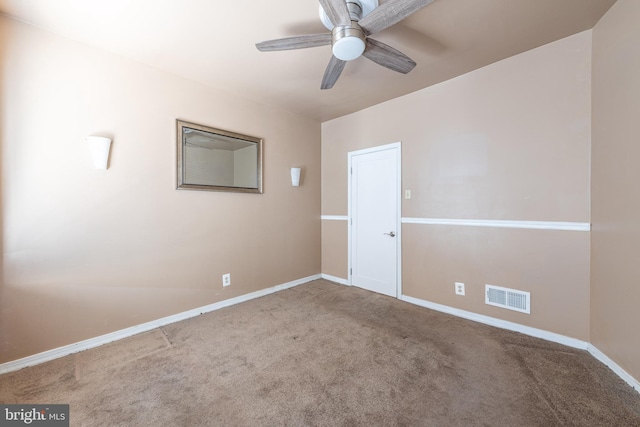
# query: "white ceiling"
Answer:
x=212 y=42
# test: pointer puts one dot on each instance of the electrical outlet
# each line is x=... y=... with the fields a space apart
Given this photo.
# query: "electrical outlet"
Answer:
x=407 y=194
x=226 y=279
x=459 y=288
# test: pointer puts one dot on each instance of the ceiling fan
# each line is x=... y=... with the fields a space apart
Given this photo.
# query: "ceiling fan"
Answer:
x=351 y=23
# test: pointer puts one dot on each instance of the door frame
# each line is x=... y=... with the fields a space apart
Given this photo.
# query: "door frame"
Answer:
x=397 y=146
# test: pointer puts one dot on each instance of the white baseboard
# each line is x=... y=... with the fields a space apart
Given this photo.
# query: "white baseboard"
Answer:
x=66 y=350
x=335 y=279
x=487 y=320
x=614 y=367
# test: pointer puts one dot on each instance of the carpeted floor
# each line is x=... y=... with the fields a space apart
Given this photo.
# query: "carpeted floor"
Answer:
x=323 y=354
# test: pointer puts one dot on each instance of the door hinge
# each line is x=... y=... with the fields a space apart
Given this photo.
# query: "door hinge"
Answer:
x=350 y=271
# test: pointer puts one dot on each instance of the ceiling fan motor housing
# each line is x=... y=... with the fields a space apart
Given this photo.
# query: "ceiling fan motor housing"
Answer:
x=355 y=10
x=348 y=41
x=362 y=7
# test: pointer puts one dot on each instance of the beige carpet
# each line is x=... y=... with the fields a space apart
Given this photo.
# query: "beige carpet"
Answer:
x=323 y=354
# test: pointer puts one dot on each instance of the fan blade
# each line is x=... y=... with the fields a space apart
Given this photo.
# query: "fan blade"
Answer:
x=332 y=73
x=388 y=57
x=297 y=42
x=389 y=13
x=336 y=11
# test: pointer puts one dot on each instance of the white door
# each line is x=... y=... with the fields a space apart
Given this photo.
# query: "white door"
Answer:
x=374 y=219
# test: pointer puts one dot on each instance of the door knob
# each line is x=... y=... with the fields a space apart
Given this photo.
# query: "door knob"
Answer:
x=392 y=234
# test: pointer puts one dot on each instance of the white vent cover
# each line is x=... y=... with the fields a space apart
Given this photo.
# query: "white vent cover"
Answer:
x=508 y=298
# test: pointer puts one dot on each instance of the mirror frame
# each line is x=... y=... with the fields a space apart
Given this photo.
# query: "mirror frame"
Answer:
x=182 y=185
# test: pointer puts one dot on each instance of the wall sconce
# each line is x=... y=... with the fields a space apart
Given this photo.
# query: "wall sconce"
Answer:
x=99 y=147
x=295 y=177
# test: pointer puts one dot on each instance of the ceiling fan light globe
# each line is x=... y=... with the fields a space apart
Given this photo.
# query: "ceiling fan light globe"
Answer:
x=348 y=48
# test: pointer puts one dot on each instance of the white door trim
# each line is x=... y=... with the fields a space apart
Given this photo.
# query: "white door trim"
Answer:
x=393 y=146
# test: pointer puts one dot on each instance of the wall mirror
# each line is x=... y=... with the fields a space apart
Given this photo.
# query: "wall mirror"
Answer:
x=218 y=160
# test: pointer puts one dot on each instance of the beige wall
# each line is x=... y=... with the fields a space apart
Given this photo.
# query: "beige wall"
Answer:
x=510 y=141
x=615 y=239
x=87 y=252
x=334 y=248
